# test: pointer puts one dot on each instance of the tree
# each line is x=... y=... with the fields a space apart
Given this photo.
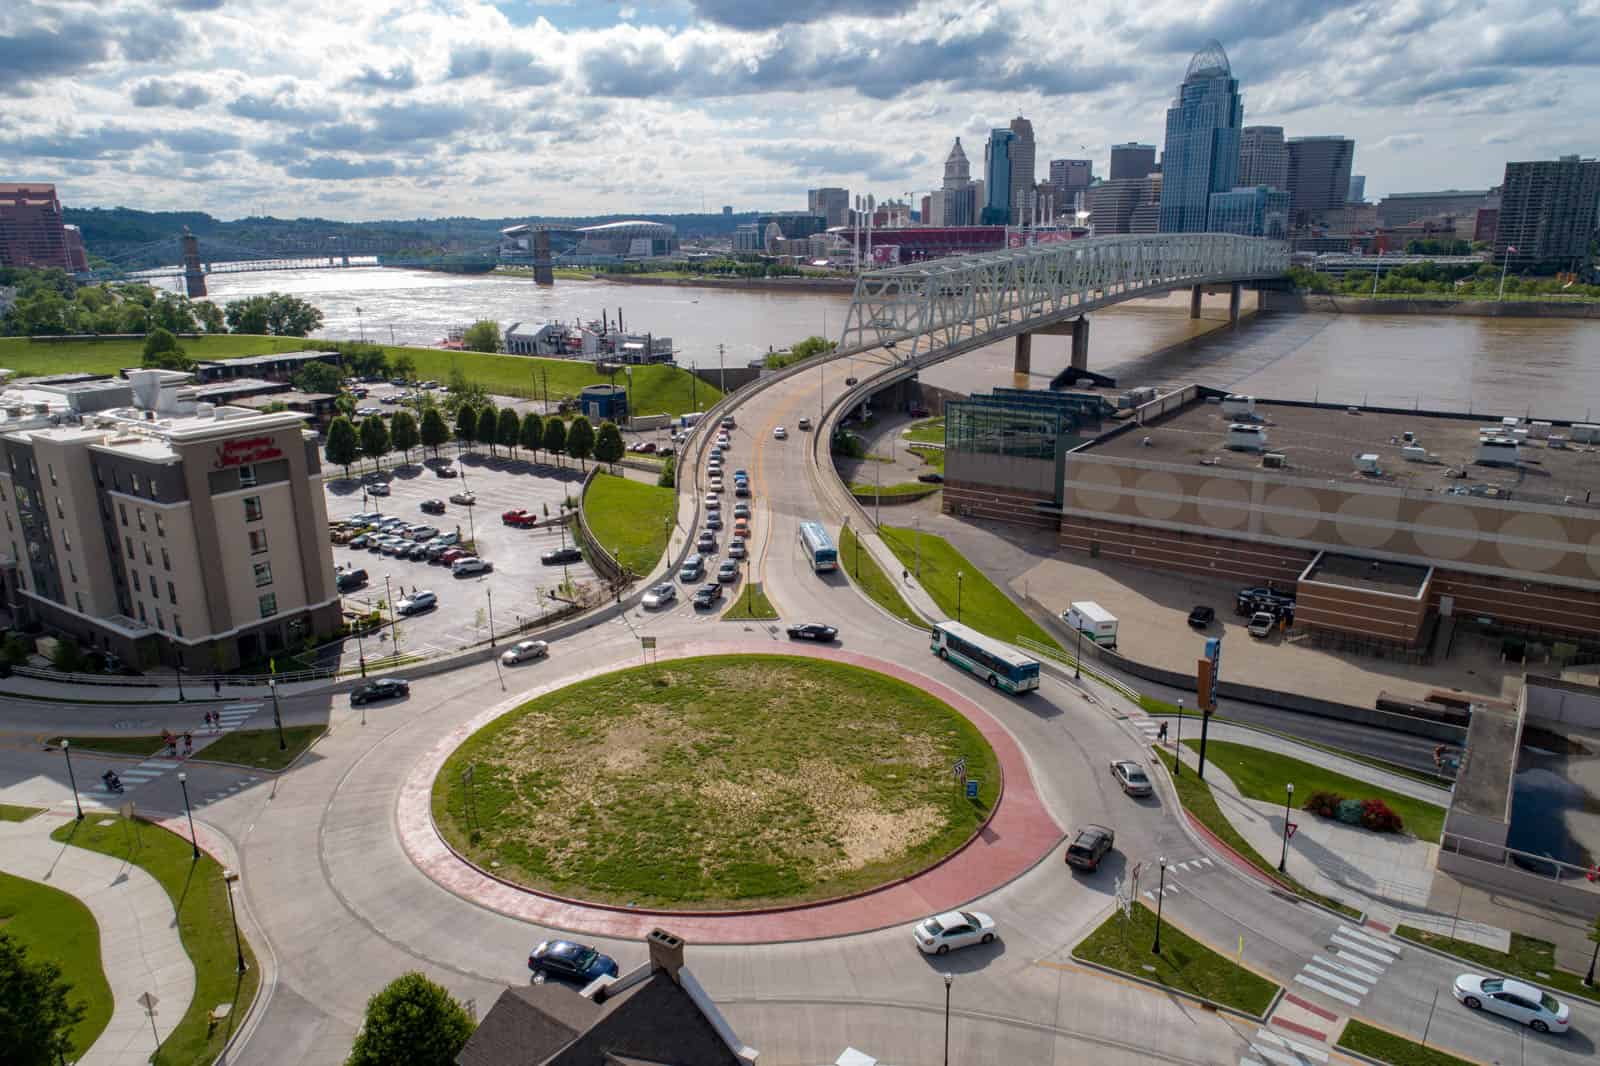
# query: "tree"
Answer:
x=340 y=447
x=374 y=438
x=555 y=437
x=210 y=317
x=466 y=424
x=510 y=430
x=813 y=345
x=669 y=472
x=403 y=433
x=36 y=1017
x=488 y=426
x=482 y=336
x=404 y=367
x=318 y=377
x=608 y=446
x=173 y=312
x=345 y=404
x=413 y=1021
x=275 y=313
x=434 y=433
x=532 y=432
x=580 y=439
x=163 y=352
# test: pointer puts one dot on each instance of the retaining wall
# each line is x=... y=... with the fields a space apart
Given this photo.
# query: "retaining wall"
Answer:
x=1355 y=305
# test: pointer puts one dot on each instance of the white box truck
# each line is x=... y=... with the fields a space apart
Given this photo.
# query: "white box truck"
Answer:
x=1093 y=621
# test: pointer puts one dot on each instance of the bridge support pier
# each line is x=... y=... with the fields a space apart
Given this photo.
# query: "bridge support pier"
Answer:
x=1023 y=362
x=194 y=276
x=1194 y=301
x=543 y=270
x=1080 y=343
x=1235 y=297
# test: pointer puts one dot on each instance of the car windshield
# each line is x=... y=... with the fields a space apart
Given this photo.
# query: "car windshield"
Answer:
x=971 y=919
x=1549 y=1003
x=1136 y=775
x=583 y=958
x=1492 y=986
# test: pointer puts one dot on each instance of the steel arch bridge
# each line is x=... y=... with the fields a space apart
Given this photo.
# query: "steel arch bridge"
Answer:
x=966 y=302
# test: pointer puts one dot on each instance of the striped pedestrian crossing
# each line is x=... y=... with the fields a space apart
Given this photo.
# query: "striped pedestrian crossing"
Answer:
x=1270 y=1049
x=1355 y=961
x=230 y=717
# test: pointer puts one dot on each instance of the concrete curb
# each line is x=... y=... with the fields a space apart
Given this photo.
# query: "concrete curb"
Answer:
x=1443 y=954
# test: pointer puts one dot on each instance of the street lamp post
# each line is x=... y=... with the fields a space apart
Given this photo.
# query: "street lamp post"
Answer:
x=361 y=646
x=277 y=713
x=228 y=878
x=1161 y=892
x=1288 y=798
x=490 y=593
x=66 y=749
x=180 y=681
x=959 y=575
x=949 y=979
x=1589 y=977
x=1177 y=749
x=194 y=842
x=1077 y=660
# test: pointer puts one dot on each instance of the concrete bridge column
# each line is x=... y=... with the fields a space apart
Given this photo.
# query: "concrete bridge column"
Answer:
x=1194 y=302
x=1024 y=359
x=1080 y=343
x=194 y=276
x=543 y=269
x=1235 y=297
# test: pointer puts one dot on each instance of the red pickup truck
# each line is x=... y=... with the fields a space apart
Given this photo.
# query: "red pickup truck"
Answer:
x=522 y=519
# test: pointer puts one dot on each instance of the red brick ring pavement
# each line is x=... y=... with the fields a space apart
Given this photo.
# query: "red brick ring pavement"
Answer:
x=1019 y=834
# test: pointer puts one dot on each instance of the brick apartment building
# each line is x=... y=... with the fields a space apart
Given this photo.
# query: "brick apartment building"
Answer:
x=32 y=233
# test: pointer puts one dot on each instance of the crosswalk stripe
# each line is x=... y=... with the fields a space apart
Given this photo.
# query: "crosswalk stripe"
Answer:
x=1248 y=1062
x=137 y=776
x=1306 y=1050
x=1342 y=982
x=1362 y=975
x=1361 y=949
x=1284 y=1058
x=1364 y=967
x=1382 y=945
x=155 y=764
x=1325 y=990
x=240 y=707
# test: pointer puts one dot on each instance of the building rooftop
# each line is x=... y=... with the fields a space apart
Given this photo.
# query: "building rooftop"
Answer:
x=1323 y=443
x=1372 y=575
x=264 y=360
x=1483 y=786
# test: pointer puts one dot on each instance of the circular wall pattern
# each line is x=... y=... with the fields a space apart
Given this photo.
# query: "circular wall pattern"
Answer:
x=1537 y=527
x=1223 y=503
x=1293 y=498
x=1432 y=531
x=1091 y=498
x=1358 y=533
x=1159 y=483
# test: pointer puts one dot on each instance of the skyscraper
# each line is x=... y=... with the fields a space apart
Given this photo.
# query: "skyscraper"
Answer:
x=1358 y=190
x=1319 y=176
x=997 y=171
x=1023 y=195
x=1068 y=179
x=956 y=203
x=1263 y=157
x=831 y=204
x=1548 y=212
x=31 y=232
x=1202 y=147
x=1261 y=211
x=1132 y=160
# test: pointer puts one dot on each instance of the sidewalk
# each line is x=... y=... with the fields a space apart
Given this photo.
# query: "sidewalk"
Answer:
x=909 y=587
x=70 y=692
x=1389 y=877
x=140 y=950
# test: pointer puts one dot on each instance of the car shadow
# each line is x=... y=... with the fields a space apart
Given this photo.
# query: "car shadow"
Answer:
x=1572 y=1039
x=965 y=960
x=1113 y=867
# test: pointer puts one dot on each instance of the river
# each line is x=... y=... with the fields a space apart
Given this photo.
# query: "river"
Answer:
x=1550 y=367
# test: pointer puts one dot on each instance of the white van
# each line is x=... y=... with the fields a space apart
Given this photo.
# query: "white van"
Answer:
x=1093 y=621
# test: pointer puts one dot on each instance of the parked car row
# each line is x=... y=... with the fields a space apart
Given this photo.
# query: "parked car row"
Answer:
x=417 y=541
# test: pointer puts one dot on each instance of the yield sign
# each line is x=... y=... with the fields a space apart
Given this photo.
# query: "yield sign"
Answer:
x=148 y=1001
x=1292 y=827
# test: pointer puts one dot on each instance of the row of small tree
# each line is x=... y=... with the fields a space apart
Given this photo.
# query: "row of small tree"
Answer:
x=495 y=428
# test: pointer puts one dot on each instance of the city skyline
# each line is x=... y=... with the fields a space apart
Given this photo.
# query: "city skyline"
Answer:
x=473 y=108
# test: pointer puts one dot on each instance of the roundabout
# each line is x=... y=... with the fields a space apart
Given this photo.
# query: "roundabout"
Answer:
x=751 y=798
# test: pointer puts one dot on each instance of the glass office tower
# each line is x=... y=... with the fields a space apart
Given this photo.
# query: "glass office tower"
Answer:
x=1202 y=147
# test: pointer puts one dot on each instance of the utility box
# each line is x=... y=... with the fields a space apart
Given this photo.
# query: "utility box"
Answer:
x=1246 y=438
x=1093 y=621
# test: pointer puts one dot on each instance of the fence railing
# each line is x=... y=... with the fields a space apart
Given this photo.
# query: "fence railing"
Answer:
x=1072 y=662
x=1543 y=867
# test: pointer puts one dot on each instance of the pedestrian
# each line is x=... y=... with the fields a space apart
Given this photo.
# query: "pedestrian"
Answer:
x=171 y=743
x=188 y=744
x=216 y=687
x=1162 y=735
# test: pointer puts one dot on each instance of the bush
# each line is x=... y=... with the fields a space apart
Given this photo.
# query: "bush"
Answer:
x=413 y=1021
x=1323 y=804
x=669 y=468
x=1349 y=811
x=1377 y=816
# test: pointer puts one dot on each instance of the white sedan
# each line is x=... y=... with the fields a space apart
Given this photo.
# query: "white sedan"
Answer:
x=953 y=929
x=660 y=595
x=779 y=433
x=1517 y=1000
x=525 y=650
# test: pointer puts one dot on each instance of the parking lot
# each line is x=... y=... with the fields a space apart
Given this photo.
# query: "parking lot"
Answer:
x=522 y=587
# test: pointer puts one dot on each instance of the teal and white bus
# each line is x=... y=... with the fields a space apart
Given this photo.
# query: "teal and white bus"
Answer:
x=997 y=663
x=818 y=546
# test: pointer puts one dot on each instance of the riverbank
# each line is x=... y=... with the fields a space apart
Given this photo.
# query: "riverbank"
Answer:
x=1330 y=303
x=679 y=279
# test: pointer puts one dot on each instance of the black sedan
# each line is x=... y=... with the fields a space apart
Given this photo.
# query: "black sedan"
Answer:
x=1202 y=616
x=812 y=631
x=561 y=555
x=577 y=962
x=385 y=688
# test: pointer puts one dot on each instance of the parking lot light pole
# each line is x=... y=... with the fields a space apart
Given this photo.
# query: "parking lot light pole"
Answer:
x=194 y=842
x=1288 y=798
x=66 y=749
x=489 y=592
x=1177 y=748
x=228 y=878
x=959 y=576
x=949 y=979
x=1077 y=660
x=1161 y=892
x=277 y=713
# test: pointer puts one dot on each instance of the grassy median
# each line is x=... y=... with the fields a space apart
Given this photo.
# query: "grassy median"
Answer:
x=869 y=577
x=12 y=812
x=631 y=519
x=972 y=599
x=200 y=897
x=1531 y=959
x=866 y=491
x=1260 y=775
x=1385 y=1046
x=928 y=431
x=750 y=603
x=52 y=925
x=259 y=747
x=1184 y=963
x=136 y=747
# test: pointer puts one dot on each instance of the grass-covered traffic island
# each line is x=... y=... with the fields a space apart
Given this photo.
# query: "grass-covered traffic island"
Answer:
x=722 y=782
x=50 y=925
x=632 y=519
x=1184 y=963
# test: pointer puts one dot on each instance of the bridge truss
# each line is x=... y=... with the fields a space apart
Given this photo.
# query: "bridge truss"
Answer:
x=967 y=301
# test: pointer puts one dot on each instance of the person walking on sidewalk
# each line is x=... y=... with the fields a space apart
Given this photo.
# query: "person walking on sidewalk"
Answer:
x=1161 y=736
x=188 y=744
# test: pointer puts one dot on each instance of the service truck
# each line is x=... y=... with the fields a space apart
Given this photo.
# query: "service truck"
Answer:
x=1093 y=621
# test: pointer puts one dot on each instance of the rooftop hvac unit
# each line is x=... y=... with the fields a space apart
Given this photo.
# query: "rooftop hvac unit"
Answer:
x=1246 y=438
x=1585 y=433
x=1497 y=451
x=1510 y=421
x=1367 y=463
x=1416 y=453
x=1409 y=437
x=1556 y=442
x=1274 y=460
x=1239 y=406
x=1539 y=430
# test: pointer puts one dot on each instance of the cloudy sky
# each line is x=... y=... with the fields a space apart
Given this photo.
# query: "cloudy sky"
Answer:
x=369 y=109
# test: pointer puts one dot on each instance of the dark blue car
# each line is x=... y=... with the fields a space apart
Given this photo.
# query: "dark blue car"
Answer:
x=576 y=962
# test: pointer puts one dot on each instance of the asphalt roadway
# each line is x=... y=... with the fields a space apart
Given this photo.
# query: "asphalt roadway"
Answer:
x=336 y=909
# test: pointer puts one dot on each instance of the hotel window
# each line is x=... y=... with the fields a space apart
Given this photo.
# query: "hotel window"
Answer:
x=9 y=526
x=66 y=538
x=138 y=513
x=161 y=527
x=99 y=476
x=2 y=490
x=78 y=598
x=258 y=541
x=153 y=590
x=51 y=468
x=160 y=622
x=33 y=471
x=252 y=508
x=133 y=579
x=133 y=479
x=148 y=561
x=59 y=512
x=142 y=617
x=172 y=592
x=263 y=574
x=129 y=542
x=247 y=476
x=269 y=604
x=72 y=571
x=177 y=625
x=116 y=480
x=166 y=559
x=122 y=510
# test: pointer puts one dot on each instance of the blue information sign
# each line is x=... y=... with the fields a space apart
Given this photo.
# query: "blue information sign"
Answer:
x=972 y=788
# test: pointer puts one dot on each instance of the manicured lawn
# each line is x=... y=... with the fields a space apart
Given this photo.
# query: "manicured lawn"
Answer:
x=1384 y=1046
x=928 y=431
x=1184 y=963
x=200 y=898
x=933 y=457
x=1261 y=775
x=983 y=606
x=28 y=357
x=1196 y=797
x=729 y=781
x=1531 y=959
x=866 y=490
x=631 y=519
x=11 y=812
x=50 y=924
x=870 y=578
x=259 y=747
x=138 y=746
x=750 y=602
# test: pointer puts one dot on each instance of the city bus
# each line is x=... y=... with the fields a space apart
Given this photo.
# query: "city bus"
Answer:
x=818 y=546
x=997 y=663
